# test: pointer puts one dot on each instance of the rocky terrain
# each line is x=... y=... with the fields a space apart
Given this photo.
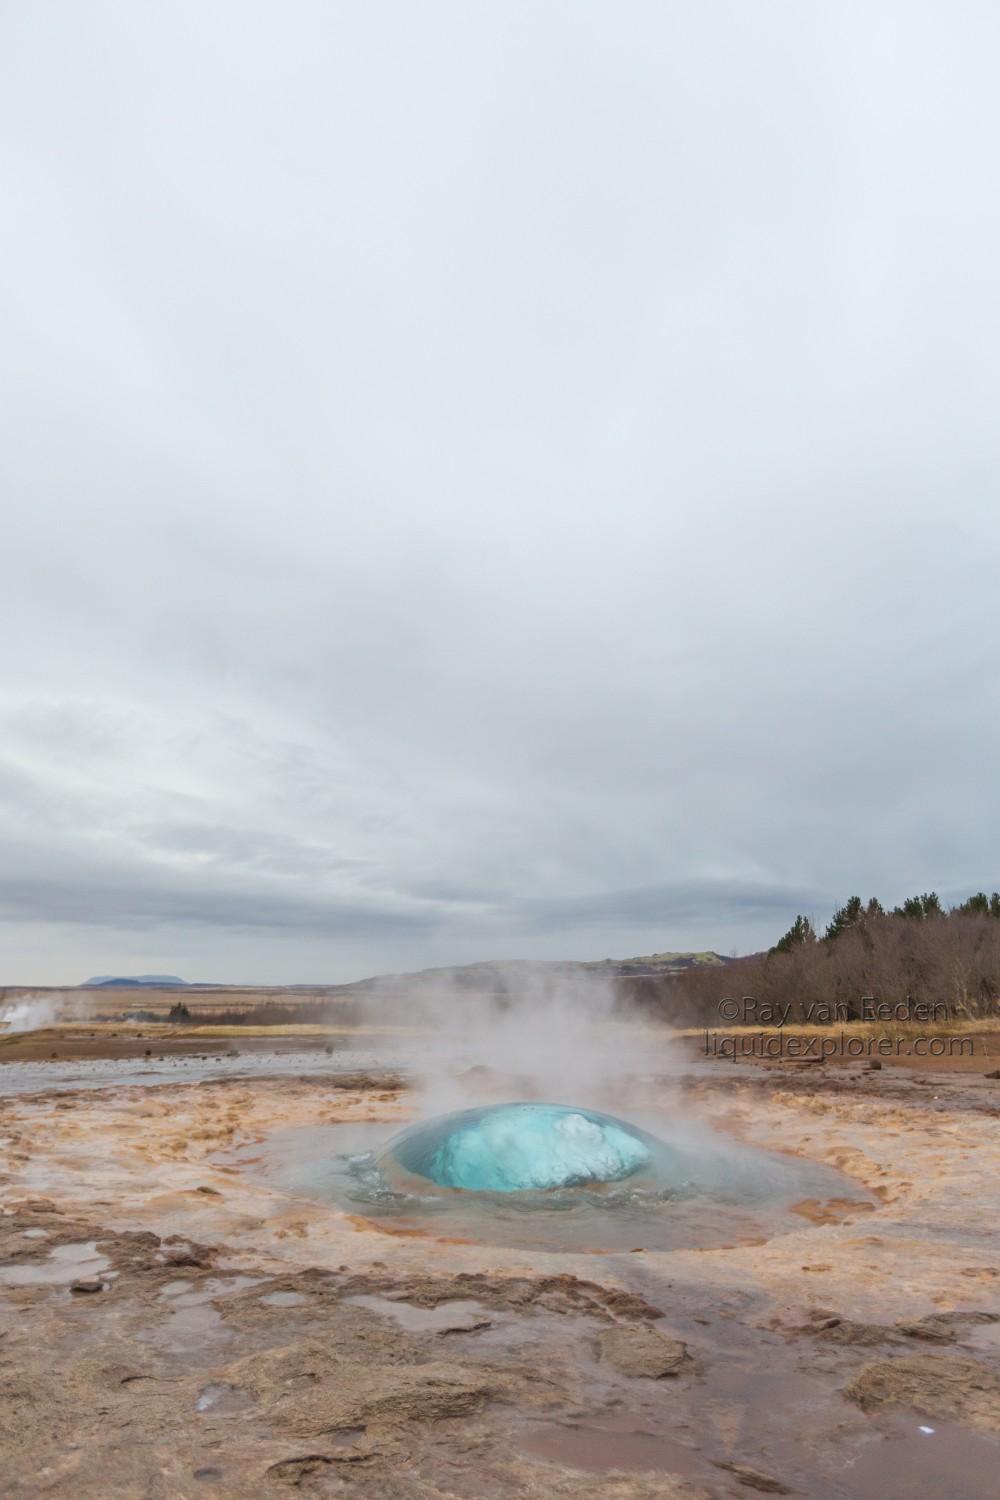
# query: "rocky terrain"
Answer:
x=173 y=1324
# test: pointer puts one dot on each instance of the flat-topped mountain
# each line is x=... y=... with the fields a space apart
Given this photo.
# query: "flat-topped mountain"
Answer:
x=131 y=981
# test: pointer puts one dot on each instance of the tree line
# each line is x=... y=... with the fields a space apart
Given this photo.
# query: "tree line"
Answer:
x=917 y=951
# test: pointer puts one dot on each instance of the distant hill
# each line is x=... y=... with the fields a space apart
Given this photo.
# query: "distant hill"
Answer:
x=501 y=975
x=495 y=976
x=132 y=981
x=659 y=963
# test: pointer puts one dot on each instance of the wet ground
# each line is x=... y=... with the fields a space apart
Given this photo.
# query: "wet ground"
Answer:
x=196 y=1063
x=726 y=1193
x=182 y=1314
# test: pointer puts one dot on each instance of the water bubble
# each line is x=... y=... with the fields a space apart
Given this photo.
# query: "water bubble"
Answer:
x=514 y=1148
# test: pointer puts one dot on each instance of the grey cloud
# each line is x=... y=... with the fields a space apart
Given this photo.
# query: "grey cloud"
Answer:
x=110 y=897
x=663 y=906
x=491 y=481
x=248 y=848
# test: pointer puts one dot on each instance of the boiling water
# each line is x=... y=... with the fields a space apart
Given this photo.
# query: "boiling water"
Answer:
x=552 y=1178
x=511 y=1148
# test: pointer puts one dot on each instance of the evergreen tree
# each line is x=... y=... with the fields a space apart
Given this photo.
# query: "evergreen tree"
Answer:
x=976 y=906
x=798 y=935
x=920 y=908
x=845 y=918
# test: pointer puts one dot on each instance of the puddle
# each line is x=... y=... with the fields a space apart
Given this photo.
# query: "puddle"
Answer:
x=36 y=1234
x=346 y=1437
x=21 y=1078
x=983 y=1337
x=65 y=1263
x=181 y=1294
x=614 y=1444
x=936 y=1461
x=222 y=1400
x=194 y=1327
x=448 y=1317
x=189 y=1331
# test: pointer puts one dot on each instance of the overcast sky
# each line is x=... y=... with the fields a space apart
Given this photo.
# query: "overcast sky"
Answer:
x=491 y=479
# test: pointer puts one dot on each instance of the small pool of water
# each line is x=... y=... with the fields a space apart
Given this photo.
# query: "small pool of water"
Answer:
x=64 y=1264
x=461 y=1316
x=682 y=1188
x=194 y=1328
x=614 y=1443
x=222 y=1400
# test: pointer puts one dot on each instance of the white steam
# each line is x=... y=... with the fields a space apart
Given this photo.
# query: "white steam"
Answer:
x=33 y=1012
x=521 y=1031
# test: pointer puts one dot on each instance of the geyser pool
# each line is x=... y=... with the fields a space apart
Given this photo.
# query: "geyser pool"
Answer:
x=516 y=1148
x=552 y=1178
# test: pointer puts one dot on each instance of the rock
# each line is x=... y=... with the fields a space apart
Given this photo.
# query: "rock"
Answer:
x=389 y=1395
x=994 y=1074
x=559 y=1294
x=753 y=1479
x=945 y=1328
x=959 y=1390
x=459 y=1320
x=874 y=1065
x=642 y=1351
x=836 y=1330
x=182 y=1255
x=233 y=1052
x=87 y=1284
x=294 y=1472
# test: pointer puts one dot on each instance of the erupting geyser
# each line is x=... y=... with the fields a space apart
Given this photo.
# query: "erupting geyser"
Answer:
x=516 y=1148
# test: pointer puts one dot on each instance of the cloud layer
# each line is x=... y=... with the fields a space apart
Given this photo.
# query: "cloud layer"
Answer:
x=491 y=481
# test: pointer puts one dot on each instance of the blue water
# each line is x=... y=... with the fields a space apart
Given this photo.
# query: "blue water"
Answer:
x=514 y=1148
x=548 y=1177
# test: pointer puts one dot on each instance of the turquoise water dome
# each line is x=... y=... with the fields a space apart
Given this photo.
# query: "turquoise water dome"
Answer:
x=516 y=1148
